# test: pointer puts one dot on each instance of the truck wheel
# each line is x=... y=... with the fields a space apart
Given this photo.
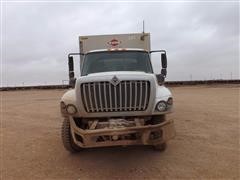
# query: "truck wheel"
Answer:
x=160 y=147
x=158 y=119
x=67 y=138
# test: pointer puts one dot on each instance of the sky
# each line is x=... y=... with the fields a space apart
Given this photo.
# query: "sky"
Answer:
x=201 y=38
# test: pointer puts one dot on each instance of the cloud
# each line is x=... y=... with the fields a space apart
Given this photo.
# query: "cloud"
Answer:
x=202 y=39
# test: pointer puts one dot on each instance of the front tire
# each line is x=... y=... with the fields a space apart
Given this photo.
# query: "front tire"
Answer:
x=67 y=138
x=157 y=120
x=160 y=147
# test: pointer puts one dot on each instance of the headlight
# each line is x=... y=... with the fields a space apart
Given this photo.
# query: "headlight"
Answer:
x=161 y=106
x=71 y=109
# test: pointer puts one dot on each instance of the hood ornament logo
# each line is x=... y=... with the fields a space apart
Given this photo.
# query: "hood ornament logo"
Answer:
x=115 y=81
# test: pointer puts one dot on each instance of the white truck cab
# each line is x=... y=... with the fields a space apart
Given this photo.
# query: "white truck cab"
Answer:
x=117 y=100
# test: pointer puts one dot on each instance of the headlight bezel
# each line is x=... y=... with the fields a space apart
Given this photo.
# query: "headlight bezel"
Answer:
x=167 y=103
x=164 y=104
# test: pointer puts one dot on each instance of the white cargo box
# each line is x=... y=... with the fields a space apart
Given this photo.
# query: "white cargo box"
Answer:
x=137 y=40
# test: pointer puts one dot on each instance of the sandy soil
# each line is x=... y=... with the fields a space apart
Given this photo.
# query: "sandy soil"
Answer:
x=206 y=145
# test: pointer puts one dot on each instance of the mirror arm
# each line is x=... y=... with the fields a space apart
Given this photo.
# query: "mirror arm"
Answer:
x=162 y=51
x=160 y=79
x=74 y=54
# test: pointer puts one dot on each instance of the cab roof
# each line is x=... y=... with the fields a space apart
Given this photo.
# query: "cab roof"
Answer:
x=117 y=49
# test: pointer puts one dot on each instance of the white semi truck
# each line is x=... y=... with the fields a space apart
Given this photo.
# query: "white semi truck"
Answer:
x=117 y=100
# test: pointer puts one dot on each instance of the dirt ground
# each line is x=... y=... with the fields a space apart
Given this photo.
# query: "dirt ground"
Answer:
x=206 y=145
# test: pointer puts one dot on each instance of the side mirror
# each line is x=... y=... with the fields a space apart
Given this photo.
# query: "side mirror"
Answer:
x=70 y=65
x=71 y=71
x=161 y=77
x=164 y=60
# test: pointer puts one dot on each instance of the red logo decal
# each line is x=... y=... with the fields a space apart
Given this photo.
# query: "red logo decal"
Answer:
x=114 y=42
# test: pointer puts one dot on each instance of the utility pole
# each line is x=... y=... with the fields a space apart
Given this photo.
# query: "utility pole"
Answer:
x=190 y=77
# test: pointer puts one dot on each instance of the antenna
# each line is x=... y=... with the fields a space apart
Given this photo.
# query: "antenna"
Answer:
x=143 y=33
x=143 y=27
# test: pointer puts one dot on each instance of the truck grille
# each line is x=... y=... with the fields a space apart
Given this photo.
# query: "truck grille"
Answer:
x=105 y=97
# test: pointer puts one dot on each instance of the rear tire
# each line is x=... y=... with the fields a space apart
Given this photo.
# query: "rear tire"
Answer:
x=160 y=147
x=67 y=138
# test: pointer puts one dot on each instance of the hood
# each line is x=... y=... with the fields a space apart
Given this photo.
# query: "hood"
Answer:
x=116 y=73
x=121 y=75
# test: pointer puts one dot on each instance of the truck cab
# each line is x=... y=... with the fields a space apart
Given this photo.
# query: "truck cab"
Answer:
x=117 y=100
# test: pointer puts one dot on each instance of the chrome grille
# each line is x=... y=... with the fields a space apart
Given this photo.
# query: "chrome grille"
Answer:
x=105 y=97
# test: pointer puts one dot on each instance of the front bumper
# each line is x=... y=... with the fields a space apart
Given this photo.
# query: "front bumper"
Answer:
x=144 y=135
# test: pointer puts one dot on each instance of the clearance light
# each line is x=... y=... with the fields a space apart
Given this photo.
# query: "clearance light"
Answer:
x=170 y=101
x=62 y=105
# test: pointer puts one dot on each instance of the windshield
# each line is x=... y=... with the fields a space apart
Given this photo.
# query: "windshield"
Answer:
x=116 y=61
